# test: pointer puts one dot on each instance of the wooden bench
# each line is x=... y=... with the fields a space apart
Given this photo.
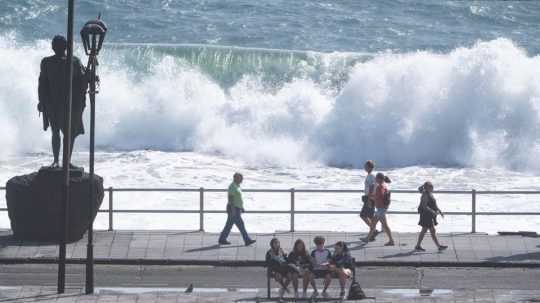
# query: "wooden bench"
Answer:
x=269 y=277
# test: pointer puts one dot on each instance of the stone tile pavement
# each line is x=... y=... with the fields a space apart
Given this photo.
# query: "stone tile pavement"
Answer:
x=76 y=295
x=183 y=247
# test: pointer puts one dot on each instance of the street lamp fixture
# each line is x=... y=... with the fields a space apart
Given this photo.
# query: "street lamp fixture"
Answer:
x=92 y=34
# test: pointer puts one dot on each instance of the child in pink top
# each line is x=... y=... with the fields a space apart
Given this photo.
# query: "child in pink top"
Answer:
x=381 y=199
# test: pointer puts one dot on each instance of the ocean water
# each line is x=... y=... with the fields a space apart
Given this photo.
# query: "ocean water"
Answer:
x=293 y=94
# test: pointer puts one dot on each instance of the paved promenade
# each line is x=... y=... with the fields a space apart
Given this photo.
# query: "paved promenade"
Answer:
x=177 y=247
x=44 y=294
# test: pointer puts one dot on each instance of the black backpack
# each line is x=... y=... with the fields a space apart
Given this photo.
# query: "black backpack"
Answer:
x=356 y=292
x=387 y=199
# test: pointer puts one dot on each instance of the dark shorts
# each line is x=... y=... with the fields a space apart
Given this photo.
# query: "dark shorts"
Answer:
x=283 y=270
x=367 y=212
x=320 y=273
x=427 y=220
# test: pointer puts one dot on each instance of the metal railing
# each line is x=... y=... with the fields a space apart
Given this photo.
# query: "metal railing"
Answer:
x=293 y=211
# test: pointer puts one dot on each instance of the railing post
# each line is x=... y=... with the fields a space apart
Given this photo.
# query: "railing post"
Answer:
x=292 y=209
x=110 y=208
x=473 y=211
x=201 y=209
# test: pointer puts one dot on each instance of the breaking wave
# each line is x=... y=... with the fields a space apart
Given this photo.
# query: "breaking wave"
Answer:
x=476 y=106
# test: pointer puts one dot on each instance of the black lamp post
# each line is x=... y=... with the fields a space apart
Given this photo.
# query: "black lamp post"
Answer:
x=93 y=35
x=66 y=153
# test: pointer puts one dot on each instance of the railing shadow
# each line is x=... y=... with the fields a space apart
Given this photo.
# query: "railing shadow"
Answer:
x=9 y=240
x=407 y=254
x=358 y=245
x=42 y=297
x=187 y=232
x=212 y=247
x=516 y=257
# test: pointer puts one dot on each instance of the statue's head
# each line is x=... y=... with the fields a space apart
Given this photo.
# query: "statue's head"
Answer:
x=59 y=45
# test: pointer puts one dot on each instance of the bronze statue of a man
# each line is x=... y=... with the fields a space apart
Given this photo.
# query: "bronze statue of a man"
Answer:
x=52 y=92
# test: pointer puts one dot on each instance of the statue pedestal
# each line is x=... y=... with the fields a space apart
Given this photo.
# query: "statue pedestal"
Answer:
x=58 y=172
x=34 y=204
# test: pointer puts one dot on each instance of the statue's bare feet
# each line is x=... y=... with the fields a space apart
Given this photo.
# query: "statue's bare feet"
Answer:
x=54 y=165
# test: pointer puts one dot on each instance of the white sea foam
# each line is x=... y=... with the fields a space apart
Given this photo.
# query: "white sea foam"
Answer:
x=154 y=169
x=474 y=106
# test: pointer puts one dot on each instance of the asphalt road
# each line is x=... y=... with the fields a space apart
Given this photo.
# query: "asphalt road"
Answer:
x=248 y=277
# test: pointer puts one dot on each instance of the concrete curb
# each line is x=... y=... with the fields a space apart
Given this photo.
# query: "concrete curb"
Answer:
x=249 y=263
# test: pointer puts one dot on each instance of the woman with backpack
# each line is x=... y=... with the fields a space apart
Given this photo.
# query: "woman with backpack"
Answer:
x=381 y=197
x=428 y=211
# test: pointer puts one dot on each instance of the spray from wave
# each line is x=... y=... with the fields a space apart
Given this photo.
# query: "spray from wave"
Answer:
x=473 y=106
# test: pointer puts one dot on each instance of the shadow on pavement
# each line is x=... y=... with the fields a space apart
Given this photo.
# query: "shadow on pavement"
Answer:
x=37 y=298
x=407 y=254
x=212 y=247
x=357 y=245
x=274 y=234
x=188 y=232
x=9 y=240
x=517 y=257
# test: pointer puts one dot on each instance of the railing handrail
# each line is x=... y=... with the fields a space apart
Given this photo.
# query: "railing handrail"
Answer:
x=301 y=190
x=293 y=211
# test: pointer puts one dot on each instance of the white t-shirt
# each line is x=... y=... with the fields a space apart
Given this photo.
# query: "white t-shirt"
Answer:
x=368 y=183
x=320 y=257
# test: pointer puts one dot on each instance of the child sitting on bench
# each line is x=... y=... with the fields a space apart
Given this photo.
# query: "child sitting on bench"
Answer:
x=301 y=259
x=276 y=260
x=341 y=264
x=321 y=261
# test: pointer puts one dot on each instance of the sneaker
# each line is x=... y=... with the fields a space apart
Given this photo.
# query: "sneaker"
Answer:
x=419 y=248
x=315 y=294
x=224 y=242
x=342 y=295
x=389 y=243
x=442 y=247
x=325 y=295
x=304 y=294
x=248 y=243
